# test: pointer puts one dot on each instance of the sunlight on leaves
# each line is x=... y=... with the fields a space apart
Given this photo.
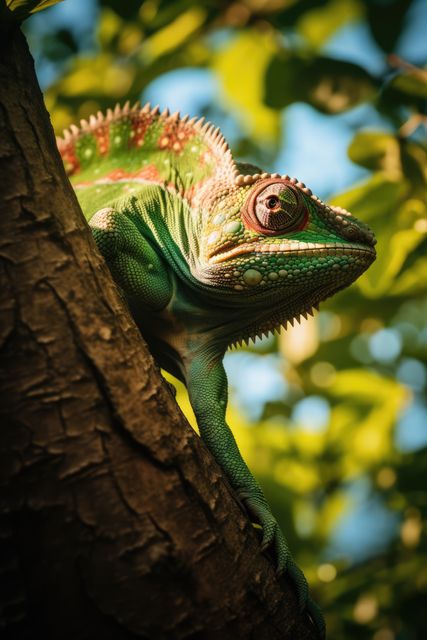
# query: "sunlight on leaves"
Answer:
x=319 y=24
x=174 y=34
x=328 y=84
x=300 y=341
x=373 y=199
x=376 y=150
x=369 y=431
x=248 y=56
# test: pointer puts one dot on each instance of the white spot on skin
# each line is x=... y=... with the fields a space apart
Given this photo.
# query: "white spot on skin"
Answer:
x=88 y=153
x=219 y=218
x=233 y=227
x=213 y=237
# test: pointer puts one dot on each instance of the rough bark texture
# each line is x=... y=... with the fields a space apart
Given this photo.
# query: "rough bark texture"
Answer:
x=115 y=520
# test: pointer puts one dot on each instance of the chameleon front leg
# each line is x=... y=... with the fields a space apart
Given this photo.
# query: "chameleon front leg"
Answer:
x=134 y=264
x=207 y=387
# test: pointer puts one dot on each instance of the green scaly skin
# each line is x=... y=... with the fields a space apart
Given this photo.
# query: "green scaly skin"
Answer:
x=208 y=253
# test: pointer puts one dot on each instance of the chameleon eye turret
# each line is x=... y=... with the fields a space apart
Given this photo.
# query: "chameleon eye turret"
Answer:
x=274 y=207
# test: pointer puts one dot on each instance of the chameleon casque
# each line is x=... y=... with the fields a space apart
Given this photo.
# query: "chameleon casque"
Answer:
x=208 y=252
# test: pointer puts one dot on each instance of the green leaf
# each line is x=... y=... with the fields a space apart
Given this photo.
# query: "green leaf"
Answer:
x=413 y=83
x=377 y=197
x=414 y=165
x=376 y=150
x=407 y=88
x=367 y=387
x=109 y=27
x=21 y=9
x=379 y=400
x=385 y=19
x=399 y=246
x=241 y=68
x=173 y=35
x=319 y=24
x=413 y=281
x=378 y=201
x=329 y=85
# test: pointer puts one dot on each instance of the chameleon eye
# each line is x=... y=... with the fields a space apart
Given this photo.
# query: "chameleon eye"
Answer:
x=273 y=202
x=273 y=208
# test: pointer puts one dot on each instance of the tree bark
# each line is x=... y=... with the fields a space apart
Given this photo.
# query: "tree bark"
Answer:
x=115 y=520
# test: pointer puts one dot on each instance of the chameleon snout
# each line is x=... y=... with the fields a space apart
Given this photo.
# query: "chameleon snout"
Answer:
x=349 y=228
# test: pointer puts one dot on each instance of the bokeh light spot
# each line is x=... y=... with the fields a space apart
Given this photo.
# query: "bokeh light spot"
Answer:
x=411 y=432
x=329 y=326
x=384 y=634
x=386 y=477
x=359 y=348
x=410 y=531
x=312 y=413
x=412 y=373
x=385 y=345
x=262 y=380
x=326 y=572
x=366 y=609
x=323 y=374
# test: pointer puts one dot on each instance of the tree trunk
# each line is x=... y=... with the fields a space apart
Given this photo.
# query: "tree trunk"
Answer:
x=116 y=521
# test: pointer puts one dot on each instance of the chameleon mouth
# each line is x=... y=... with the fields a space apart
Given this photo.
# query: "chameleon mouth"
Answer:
x=294 y=247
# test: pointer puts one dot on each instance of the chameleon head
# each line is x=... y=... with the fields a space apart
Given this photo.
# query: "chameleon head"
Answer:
x=267 y=237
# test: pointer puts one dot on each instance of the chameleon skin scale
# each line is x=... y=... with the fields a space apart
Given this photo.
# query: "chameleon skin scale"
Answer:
x=208 y=253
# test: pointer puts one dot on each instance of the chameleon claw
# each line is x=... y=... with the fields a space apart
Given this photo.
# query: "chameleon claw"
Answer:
x=285 y=564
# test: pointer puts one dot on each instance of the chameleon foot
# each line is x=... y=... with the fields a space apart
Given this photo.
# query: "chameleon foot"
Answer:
x=273 y=537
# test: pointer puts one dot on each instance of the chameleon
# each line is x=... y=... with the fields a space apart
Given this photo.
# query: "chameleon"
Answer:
x=207 y=253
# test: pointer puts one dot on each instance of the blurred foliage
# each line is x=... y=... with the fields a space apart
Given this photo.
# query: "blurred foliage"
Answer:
x=363 y=358
x=17 y=10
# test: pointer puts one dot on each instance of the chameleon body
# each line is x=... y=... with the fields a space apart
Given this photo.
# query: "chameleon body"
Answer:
x=208 y=253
